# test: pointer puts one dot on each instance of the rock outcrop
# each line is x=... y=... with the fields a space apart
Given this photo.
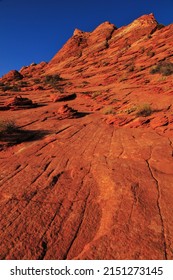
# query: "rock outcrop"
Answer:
x=67 y=112
x=19 y=102
x=63 y=97
x=12 y=75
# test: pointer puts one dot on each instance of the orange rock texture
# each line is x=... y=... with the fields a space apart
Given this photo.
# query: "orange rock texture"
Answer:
x=88 y=172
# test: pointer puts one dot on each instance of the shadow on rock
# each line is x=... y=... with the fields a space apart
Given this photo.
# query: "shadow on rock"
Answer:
x=82 y=114
x=18 y=136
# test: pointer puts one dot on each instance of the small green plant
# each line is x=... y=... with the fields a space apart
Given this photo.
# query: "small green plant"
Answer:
x=8 y=127
x=130 y=110
x=165 y=68
x=95 y=94
x=109 y=110
x=144 y=110
x=114 y=100
x=162 y=78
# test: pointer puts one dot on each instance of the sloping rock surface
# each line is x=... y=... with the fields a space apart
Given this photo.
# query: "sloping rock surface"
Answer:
x=98 y=185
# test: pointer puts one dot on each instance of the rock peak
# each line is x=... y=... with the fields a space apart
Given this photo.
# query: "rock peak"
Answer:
x=105 y=25
x=77 y=32
x=146 y=19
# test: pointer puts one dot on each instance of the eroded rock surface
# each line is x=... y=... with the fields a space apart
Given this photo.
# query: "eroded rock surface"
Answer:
x=93 y=178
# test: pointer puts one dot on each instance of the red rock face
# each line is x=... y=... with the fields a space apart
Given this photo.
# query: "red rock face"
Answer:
x=91 y=177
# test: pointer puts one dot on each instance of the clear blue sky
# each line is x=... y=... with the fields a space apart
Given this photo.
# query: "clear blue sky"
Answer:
x=34 y=30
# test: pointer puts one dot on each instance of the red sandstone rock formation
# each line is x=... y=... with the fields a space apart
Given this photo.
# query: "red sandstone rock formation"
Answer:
x=99 y=186
x=19 y=102
x=62 y=97
x=67 y=112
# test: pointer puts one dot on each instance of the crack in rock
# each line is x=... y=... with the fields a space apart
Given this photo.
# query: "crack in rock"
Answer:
x=159 y=208
x=44 y=250
x=55 y=179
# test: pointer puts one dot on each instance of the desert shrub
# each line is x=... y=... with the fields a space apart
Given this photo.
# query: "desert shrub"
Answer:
x=130 y=110
x=160 y=26
x=150 y=53
x=142 y=50
x=52 y=79
x=131 y=68
x=165 y=68
x=108 y=110
x=11 y=87
x=114 y=100
x=6 y=87
x=144 y=110
x=161 y=79
x=95 y=94
x=36 y=81
x=23 y=84
x=15 y=88
x=8 y=127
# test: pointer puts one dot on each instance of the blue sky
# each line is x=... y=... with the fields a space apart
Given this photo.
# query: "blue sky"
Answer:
x=34 y=30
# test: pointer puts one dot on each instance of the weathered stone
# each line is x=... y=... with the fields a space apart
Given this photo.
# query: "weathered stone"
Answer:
x=93 y=178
